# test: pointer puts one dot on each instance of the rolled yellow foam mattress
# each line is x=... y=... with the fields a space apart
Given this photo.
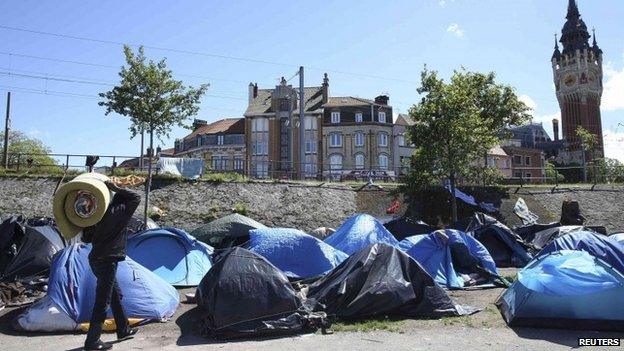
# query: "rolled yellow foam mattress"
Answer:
x=80 y=203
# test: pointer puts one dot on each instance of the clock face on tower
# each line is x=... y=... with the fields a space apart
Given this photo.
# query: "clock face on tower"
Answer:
x=569 y=80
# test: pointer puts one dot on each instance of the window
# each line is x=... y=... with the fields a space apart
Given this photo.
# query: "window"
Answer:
x=214 y=162
x=310 y=146
x=335 y=140
x=219 y=139
x=359 y=139
x=383 y=139
x=199 y=141
x=518 y=175
x=527 y=175
x=285 y=105
x=359 y=161
x=358 y=117
x=335 y=117
x=238 y=163
x=310 y=168
x=310 y=123
x=224 y=163
x=401 y=138
x=527 y=160
x=382 y=117
x=491 y=162
x=262 y=169
x=335 y=162
x=260 y=125
x=517 y=159
x=383 y=162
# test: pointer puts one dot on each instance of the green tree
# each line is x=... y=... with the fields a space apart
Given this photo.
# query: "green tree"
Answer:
x=589 y=145
x=27 y=148
x=456 y=123
x=552 y=173
x=153 y=100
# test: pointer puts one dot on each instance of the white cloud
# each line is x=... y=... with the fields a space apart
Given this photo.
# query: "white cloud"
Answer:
x=455 y=30
x=613 y=94
x=528 y=101
x=545 y=119
x=444 y=2
x=38 y=134
x=613 y=145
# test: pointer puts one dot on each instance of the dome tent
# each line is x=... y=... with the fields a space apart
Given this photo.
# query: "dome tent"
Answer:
x=71 y=294
x=358 y=232
x=228 y=231
x=403 y=227
x=296 y=253
x=440 y=251
x=565 y=289
x=608 y=249
x=546 y=236
x=182 y=260
x=245 y=295
x=381 y=280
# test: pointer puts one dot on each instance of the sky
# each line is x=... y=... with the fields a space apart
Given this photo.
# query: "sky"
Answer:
x=366 y=47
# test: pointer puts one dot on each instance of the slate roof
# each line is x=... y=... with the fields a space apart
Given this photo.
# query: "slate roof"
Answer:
x=224 y=126
x=403 y=120
x=339 y=101
x=262 y=103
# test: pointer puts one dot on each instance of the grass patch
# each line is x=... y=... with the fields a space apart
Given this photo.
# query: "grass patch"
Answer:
x=462 y=320
x=385 y=324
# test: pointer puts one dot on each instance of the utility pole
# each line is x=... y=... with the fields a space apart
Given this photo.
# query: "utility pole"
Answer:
x=302 y=151
x=7 y=122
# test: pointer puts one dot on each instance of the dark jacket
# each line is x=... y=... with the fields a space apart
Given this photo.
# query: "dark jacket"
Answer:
x=108 y=238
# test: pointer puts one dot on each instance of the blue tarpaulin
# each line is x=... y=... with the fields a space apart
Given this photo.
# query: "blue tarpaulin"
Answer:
x=359 y=232
x=410 y=241
x=172 y=254
x=566 y=289
x=296 y=253
x=434 y=254
x=605 y=248
x=72 y=287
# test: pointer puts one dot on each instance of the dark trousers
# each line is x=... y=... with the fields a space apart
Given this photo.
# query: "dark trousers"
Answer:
x=106 y=293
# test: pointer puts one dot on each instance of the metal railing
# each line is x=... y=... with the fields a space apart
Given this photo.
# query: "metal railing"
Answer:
x=61 y=163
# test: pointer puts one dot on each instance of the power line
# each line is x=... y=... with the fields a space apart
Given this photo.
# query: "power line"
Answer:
x=198 y=53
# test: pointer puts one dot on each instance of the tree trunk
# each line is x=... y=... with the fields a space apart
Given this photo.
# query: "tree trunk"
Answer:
x=141 y=153
x=453 y=198
x=148 y=184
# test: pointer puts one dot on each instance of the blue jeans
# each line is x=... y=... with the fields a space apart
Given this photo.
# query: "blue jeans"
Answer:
x=106 y=293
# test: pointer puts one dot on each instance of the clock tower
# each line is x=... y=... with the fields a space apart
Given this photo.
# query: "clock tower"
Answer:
x=577 y=72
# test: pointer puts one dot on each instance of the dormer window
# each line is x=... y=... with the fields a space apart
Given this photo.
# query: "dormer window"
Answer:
x=335 y=117
x=219 y=139
x=358 y=117
x=382 y=117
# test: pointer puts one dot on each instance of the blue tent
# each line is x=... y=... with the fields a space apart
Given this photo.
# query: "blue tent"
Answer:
x=410 y=241
x=617 y=237
x=359 y=232
x=296 y=253
x=72 y=287
x=434 y=254
x=566 y=289
x=172 y=254
x=605 y=248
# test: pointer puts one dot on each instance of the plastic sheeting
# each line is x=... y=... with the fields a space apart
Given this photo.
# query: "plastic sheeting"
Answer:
x=296 y=253
x=359 y=232
x=522 y=210
x=245 y=295
x=172 y=254
x=404 y=227
x=191 y=168
x=605 y=248
x=381 y=280
x=544 y=237
x=506 y=247
x=410 y=241
x=434 y=254
x=35 y=253
x=11 y=234
x=72 y=290
x=228 y=231
x=566 y=289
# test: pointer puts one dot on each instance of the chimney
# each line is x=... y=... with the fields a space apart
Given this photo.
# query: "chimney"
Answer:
x=325 y=88
x=255 y=90
x=382 y=100
x=198 y=123
x=555 y=123
x=251 y=92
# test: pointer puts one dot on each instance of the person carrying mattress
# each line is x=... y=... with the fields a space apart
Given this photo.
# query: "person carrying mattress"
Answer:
x=108 y=248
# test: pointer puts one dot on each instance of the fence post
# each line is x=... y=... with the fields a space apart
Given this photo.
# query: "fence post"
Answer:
x=66 y=162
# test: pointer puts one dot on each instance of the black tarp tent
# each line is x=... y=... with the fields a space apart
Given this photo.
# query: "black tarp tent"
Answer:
x=506 y=247
x=11 y=234
x=381 y=280
x=231 y=230
x=404 y=226
x=244 y=295
x=35 y=253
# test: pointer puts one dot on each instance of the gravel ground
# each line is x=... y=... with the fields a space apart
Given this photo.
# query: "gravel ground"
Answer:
x=483 y=330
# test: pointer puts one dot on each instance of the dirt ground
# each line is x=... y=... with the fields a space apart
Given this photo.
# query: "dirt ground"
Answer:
x=483 y=330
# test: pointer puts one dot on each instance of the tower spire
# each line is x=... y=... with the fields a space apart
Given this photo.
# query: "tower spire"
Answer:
x=573 y=11
x=556 y=54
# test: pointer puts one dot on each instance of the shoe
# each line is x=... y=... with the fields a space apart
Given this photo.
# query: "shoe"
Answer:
x=128 y=334
x=98 y=345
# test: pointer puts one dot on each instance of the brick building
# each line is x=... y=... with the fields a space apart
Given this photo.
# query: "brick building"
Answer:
x=527 y=165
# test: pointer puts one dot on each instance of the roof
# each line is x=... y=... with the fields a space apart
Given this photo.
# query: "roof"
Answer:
x=169 y=151
x=497 y=151
x=404 y=120
x=261 y=104
x=338 y=101
x=224 y=126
